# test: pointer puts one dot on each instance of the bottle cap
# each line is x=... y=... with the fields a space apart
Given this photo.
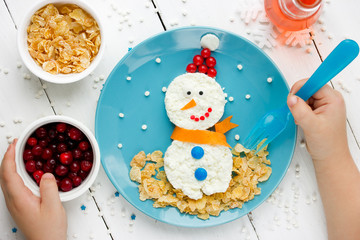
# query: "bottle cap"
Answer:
x=309 y=3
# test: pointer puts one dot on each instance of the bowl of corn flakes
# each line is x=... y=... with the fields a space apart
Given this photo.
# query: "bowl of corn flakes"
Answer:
x=61 y=41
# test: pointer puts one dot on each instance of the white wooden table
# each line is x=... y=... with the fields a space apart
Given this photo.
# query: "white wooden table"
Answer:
x=293 y=212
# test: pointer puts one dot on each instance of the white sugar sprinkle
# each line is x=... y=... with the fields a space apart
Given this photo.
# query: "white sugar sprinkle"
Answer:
x=158 y=60
x=302 y=143
x=184 y=13
x=147 y=93
x=121 y=115
x=231 y=99
x=144 y=127
x=8 y=136
x=240 y=67
x=68 y=104
x=74 y=235
x=26 y=76
x=2 y=124
x=91 y=236
x=164 y=89
x=131 y=40
x=128 y=78
x=96 y=80
x=19 y=65
x=247 y=96
x=120 y=145
x=141 y=20
x=95 y=86
x=6 y=71
x=269 y=80
x=237 y=137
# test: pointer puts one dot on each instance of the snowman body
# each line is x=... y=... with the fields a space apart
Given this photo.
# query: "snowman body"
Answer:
x=195 y=101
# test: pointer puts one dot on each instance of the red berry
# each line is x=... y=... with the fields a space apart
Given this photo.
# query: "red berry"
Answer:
x=52 y=147
x=202 y=118
x=47 y=154
x=27 y=155
x=51 y=163
x=88 y=156
x=209 y=110
x=210 y=62
x=32 y=141
x=37 y=175
x=37 y=150
x=61 y=147
x=43 y=143
x=71 y=175
x=61 y=137
x=198 y=60
x=39 y=165
x=191 y=68
x=40 y=132
x=86 y=166
x=48 y=169
x=75 y=166
x=66 y=185
x=192 y=117
x=77 y=181
x=205 y=53
x=66 y=158
x=211 y=72
x=52 y=134
x=61 y=127
x=30 y=166
x=83 y=174
x=206 y=114
x=203 y=69
x=77 y=154
x=83 y=145
x=75 y=134
x=196 y=119
x=61 y=170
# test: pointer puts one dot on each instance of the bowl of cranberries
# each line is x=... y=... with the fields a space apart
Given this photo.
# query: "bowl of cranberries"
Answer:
x=62 y=146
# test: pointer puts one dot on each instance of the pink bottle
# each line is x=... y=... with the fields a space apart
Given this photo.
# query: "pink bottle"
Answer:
x=293 y=15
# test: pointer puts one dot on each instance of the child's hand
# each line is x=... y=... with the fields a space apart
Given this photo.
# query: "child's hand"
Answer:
x=38 y=218
x=323 y=120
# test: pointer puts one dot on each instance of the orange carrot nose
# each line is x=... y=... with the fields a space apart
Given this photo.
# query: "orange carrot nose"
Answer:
x=190 y=104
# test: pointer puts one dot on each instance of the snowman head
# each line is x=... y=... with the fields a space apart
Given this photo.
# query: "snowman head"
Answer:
x=194 y=101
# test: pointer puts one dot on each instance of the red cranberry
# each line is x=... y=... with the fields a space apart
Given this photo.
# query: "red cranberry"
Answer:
x=51 y=163
x=71 y=144
x=48 y=169
x=206 y=114
x=211 y=72
x=203 y=69
x=40 y=132
x=66 y=158
x=61 y=127
x=61 y=170
x=30 y=166
x=71 y=175
x=61 y=137
x=83 y=174
x=32 y=141
x=43 y=143
x=86 y=165
x=39 y=165
x=75 y=166
x=61 y=147
x=37 y=150
x=52 y=134
x=53 y=147
x=27 y=155
x=37 y=175
x=66 y=185
x=198 y=60
x=202 y=118
x=77 y=154
x=205 y=53
x=83 y=145
x=88 y=156
x=77 y=181
x=191 y=68
x=75 y=134
x=47 y=154
x=210 y=62
x=209 y=110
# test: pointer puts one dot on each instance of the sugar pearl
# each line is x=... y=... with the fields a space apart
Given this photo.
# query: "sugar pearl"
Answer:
x=128 y=78
x=144 y=127
x=247 y=96
x=240 y=67
x=269 y=80
x=231 y=99
x=120 y=145
x=164 y=89
x=158 y=60
x=147 y=93
x=237 y=137
x=121 y=115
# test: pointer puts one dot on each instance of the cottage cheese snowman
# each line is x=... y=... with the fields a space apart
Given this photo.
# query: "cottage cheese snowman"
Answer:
x=198 y=161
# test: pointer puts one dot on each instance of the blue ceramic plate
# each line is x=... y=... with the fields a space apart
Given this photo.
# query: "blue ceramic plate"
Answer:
x=176 y=49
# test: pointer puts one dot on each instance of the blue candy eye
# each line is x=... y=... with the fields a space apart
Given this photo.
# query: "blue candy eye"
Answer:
x=200 y=174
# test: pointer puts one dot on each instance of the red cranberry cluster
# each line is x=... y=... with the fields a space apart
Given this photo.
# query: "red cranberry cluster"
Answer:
x=204 y=63
x=60 y=149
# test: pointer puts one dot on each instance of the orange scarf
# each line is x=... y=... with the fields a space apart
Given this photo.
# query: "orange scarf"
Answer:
x=205 y=136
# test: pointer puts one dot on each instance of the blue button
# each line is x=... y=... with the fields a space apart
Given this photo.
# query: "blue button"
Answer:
x=197 y=152
x=200 y=174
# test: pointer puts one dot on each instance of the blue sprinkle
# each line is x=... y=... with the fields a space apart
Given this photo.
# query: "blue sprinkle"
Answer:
x=83 y=207
x=197 y=152
x=14 y=230
x=133 y=216
x=200 y=174
x=117 y=194
x=129 y=49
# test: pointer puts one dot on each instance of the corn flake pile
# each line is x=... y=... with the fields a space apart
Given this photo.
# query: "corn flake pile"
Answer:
x=63 y=39
x=248 y=171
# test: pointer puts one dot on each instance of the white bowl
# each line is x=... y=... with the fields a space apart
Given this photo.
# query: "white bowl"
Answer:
x=30 y=62
x=30 y=183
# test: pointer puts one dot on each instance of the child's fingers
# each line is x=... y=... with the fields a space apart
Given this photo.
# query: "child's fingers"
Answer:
x=323 y=92
x=49 y=192
x=302 y=112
